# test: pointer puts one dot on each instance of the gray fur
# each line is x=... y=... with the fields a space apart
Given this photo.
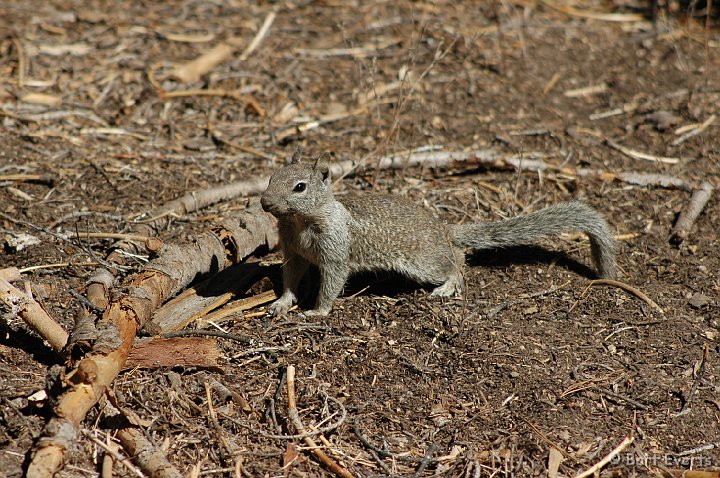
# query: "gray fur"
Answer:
x=378 y=232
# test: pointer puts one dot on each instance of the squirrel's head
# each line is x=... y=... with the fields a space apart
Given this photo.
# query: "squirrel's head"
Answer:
x=298 y=188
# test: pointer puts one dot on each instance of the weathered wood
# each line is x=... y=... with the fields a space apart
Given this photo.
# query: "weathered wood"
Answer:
x=177 y=266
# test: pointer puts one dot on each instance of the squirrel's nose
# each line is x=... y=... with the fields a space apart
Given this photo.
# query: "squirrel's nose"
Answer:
x=265 y=202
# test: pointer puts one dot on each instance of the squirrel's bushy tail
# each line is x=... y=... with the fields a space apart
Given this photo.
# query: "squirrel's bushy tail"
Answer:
x=523 y=230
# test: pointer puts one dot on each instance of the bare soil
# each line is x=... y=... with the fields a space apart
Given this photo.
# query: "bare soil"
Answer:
x=530 y=359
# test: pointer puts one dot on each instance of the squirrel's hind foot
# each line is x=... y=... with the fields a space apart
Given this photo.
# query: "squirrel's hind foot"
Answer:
x=453 y=286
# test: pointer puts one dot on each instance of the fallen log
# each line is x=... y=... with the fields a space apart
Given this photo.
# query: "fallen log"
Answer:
x=141 y=294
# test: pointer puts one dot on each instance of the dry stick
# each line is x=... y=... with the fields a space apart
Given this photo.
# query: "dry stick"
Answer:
x=238 y=306
x=426 y=460
x=110 y=450
x=33 y=178
x=58 y=264
x=21 y=63
x=33 y=314
x=544 y=438
x=196 y=200
x=259 y=36
x=640 y=155
x=696 y=382
x=695 y=131
x=636 y=178
x=626 y=287
x=599 y=465
x=148 y=457
x=691 y=212
x=214 y=421
x=295 y=419
x=111 y=235
x=229 y=242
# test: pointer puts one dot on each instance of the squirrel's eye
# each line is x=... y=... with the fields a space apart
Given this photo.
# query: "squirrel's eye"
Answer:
x=299 y=187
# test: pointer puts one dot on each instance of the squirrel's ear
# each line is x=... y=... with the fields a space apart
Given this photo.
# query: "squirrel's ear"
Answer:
x=296 y=155
x=323 y=167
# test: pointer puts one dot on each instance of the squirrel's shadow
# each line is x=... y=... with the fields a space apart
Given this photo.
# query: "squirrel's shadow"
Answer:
x=528 y=255
x=392 y=284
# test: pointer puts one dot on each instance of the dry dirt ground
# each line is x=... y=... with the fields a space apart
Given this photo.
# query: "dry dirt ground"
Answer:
x=532 y=359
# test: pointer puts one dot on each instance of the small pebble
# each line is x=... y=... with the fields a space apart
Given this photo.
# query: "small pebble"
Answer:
x=699 y=300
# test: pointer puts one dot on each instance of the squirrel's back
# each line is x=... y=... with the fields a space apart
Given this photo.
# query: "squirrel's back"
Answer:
x=392 y=233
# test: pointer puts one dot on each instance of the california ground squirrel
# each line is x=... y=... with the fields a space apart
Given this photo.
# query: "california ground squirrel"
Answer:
x=354 y=233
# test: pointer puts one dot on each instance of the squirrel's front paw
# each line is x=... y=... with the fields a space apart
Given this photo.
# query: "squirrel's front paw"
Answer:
x=279 y=307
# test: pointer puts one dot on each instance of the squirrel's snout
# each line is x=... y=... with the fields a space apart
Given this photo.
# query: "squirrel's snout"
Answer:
x=269 y=205
x=265 y=202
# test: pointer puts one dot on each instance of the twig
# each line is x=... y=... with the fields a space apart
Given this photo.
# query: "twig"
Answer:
x=427 y=459
x=637 y=178
x=259 y=36
x=319 y=431
x=31 y=178
x=695 y=131
x=21 y=63
x=238 y=306
x=295 y=419
x=214 y=92
x=632 y=402
x=84 y=301
x=626 y=287
x=607 y=17
x=696 y=382
x=112 y=235
x=693 y=451
x=599 y=465
x=33 y=314
x=214 y=421
x=544 y=438
x=691 y=212
x=196 y=68
x=640 y=155
x=59 y=264
x=114 y=453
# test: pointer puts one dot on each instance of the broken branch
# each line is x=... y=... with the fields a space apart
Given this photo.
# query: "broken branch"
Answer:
x=692 y=211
